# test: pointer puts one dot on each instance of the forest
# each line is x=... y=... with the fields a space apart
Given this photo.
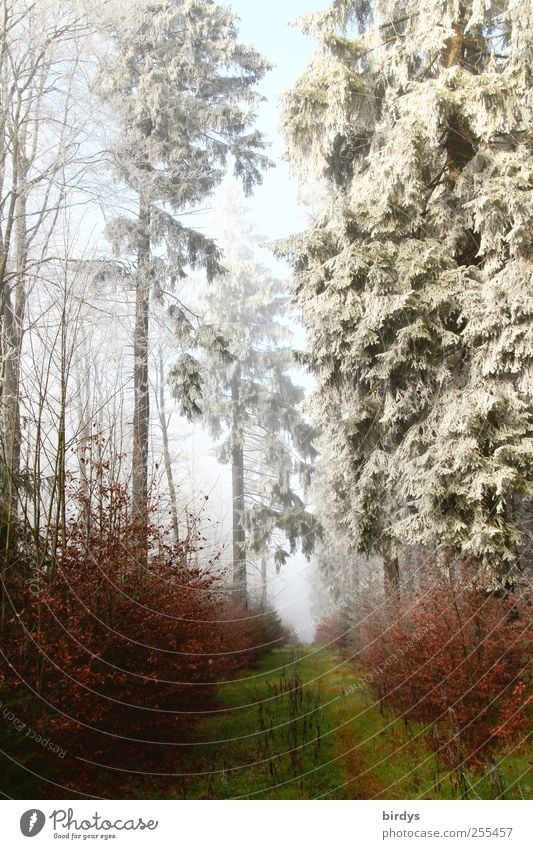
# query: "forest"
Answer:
x=266 y=503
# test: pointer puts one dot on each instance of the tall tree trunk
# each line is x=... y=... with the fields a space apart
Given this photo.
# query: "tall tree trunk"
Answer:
x=391 y=570
x=166 y=451
x=58 y=494
x=20 y=306
x=10 y=401
x=9 y=435
x=141 y=411
x=354 y=575
x=459 y=140
x=237 y=477
x=11 y=324
x=264 y=584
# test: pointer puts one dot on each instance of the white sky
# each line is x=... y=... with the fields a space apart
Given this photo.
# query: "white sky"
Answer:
x=265 y=26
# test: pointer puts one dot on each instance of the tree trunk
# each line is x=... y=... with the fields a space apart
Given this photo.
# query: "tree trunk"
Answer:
x=141 y=412
x=237 y=477
x=264 y=584
x=10 y=401
x=9 y=441
x=459 y=141
x=454 y=46
x=11 y=324
x=391 y=569
x=166 y=452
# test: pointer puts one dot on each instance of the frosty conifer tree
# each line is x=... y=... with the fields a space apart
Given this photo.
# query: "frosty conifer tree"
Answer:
x=182 y=90
x=415 y=283
x=344 y=574
x=249 y=402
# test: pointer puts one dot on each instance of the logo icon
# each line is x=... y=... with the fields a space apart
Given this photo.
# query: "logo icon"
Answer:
x=32 y=822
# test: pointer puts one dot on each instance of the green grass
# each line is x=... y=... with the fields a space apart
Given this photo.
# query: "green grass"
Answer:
x=300 y=726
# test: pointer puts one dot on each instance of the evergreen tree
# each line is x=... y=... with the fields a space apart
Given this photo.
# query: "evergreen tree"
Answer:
x=414 y=283
x=247 y=399
x=344 y=573
x=182 y=90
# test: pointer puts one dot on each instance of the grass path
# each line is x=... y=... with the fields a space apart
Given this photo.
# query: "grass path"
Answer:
x=301 y=726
